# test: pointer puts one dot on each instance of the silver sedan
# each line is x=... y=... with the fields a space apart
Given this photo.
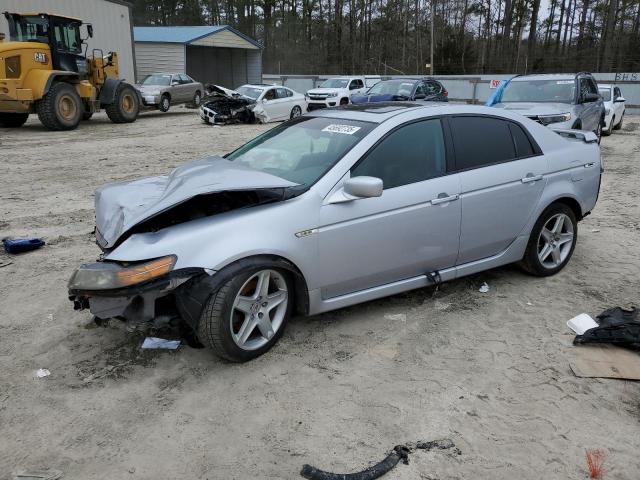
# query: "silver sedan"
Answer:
x=162 y=90
x=336 y=208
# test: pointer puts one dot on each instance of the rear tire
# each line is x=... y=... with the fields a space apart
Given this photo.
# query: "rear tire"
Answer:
x=13 y=120
x=197 y=98
x=222 y=323
x=125 y=106
x=547 y=251
x=60 y=108
x=295 y=112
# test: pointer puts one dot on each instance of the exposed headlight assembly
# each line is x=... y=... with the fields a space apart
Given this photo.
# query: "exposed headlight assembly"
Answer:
x=111 y=275
x=547 y=119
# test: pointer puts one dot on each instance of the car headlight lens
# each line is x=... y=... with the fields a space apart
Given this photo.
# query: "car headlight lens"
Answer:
x=111 y=275
x=333 y=94
x=547 y=119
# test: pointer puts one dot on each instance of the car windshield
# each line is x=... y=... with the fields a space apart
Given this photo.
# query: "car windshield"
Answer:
x=335 y=83
x=562 y=91
x=302 y=151
x=251 y=92
x=157 y=80
x=392 y=87
x=606 y=94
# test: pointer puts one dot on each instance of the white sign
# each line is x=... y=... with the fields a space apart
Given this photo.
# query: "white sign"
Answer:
x=346 y=129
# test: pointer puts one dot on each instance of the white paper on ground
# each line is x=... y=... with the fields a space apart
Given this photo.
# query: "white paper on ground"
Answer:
x=155 y=342
x=42 y=372
x=581 y=323
x=484 y=288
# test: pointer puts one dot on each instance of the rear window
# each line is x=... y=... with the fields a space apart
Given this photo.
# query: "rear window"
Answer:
x=481 y=141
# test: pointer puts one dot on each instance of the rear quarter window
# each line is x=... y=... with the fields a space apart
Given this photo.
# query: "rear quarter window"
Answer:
x=521 y=141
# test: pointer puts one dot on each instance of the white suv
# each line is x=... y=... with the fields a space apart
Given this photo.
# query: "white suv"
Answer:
x=336 y=91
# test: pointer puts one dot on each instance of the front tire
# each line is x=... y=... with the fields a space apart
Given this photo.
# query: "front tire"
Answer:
x=598 y=131
x=13 y=120
x=552 y=241
x=197 y=98
x=165 y=103
x=247 y=315
x=295 y=112
x=125 y=106
x=60 y=108
x=344 y=101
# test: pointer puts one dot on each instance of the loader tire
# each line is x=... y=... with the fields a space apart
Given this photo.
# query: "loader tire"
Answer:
x=125 y=106
x=13 y=120
x=60 y=108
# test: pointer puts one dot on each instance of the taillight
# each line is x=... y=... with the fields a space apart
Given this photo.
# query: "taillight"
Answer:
x=445 y=93
x=12 y=67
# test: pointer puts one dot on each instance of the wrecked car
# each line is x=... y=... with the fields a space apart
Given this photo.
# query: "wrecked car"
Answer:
x=335 y=208
x=251 y=103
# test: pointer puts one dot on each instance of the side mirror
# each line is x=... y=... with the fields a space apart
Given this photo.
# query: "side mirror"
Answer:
x=619 y=100
x=90 y=30
x=174 y=83
x=591 y=97
x=363 y=187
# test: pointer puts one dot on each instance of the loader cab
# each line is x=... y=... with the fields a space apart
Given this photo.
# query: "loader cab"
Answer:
x=61 y=34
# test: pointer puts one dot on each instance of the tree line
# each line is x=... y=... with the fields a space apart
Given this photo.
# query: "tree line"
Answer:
x=393 y=37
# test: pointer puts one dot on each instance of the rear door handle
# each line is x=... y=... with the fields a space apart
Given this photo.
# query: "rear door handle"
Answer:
x=531 y=178
x=444 y=198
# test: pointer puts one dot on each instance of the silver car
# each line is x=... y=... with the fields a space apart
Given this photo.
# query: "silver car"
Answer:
x=335 y=208
x=161 y=90
x=559 y=101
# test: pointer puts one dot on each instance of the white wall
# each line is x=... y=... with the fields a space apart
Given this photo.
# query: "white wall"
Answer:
x=159 y=57
x=111 y=24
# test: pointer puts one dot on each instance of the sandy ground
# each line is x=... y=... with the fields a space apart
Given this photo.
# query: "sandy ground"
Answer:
x=489 y=371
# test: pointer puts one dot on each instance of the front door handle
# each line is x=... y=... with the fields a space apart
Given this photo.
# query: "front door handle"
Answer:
x=531 y=178
x=589 y=165
x=444 y=198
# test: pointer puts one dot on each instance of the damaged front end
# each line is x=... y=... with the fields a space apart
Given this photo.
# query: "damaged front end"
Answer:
x=141 y=274
x=223 y=106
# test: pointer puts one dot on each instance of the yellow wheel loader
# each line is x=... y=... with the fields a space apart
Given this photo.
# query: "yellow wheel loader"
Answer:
x=44 y=70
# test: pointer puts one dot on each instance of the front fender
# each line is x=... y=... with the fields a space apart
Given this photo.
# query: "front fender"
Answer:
x=40 y=81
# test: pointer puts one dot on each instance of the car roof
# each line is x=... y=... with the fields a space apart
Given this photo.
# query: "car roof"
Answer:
x=545 y=76
x=380 y=112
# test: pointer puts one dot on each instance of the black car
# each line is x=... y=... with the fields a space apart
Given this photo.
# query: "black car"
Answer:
x=405 y=89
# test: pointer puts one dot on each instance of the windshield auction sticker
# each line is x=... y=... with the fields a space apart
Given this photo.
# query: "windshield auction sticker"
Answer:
x=346 y=129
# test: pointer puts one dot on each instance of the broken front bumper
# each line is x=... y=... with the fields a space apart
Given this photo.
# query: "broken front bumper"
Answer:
x=127 y=291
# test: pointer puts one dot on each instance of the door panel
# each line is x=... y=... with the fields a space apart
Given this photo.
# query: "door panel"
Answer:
x=374 y=241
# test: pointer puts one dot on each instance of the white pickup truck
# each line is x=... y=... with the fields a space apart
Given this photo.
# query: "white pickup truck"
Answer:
x=336 y=91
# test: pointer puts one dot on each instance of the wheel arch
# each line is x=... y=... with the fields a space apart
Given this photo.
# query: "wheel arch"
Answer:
x=191 y=297
x=40 y=81
x=570 y=202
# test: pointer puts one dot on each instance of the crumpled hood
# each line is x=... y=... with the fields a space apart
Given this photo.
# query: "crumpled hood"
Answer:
x=382 y=97
x=532 y=108
x=150 y=88
x=121 y=206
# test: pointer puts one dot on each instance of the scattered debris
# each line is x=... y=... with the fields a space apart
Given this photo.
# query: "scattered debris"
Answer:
x=104 y=372
x=399 y=453
x=581 y=323
x=484 y=288
x=160 y=343
x=20 y=245
x=39 y=474
x=616 y=326
x=530 y=304
x=595 y=230
x=595 y=462
x=396 y=317
x=42 y=372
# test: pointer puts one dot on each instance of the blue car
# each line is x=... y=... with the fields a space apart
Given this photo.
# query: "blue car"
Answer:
x=402 y=90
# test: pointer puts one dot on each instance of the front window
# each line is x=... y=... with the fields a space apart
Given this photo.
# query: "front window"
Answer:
x=606 y=94
x=540 y=91
x=67 y=36
x=335 y=83
x=30 y=29
x=302 y=151
x=392 y=87
x=163 y=80
x=250 y=92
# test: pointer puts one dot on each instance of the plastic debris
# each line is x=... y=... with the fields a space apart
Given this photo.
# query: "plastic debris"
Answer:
x=160 y=343
x=20 y=245
x=616 y=326
x=39 y=474
x=595 y=462
x=484 y=288
x=581 y=323
x=42 y=372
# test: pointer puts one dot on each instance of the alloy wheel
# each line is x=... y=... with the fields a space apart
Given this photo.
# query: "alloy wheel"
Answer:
x=259 y=309
x=555 y=241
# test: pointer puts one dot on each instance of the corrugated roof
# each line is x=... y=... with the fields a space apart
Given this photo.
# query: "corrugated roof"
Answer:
x=182 y=34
